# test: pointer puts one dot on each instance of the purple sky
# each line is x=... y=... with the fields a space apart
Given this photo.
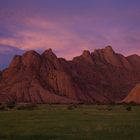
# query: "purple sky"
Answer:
x=70 y=26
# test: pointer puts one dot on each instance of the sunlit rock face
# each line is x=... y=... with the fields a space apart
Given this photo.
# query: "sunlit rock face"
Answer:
x=133 y=96
x=102 y=76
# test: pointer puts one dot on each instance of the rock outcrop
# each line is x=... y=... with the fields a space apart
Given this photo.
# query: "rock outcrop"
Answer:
x=102 y=76
x=133 y=96
x=107 y=55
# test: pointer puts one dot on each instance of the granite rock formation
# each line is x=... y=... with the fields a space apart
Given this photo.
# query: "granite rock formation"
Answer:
x=102 y=76
x=133 y=96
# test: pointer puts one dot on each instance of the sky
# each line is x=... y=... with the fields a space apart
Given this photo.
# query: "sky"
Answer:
x=69 y=26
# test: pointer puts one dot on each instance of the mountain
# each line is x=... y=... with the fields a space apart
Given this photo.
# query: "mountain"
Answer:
x=133 y=96
x=102 y=76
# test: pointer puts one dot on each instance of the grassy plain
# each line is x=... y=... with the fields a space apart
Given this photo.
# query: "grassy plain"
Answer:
x=59 y=122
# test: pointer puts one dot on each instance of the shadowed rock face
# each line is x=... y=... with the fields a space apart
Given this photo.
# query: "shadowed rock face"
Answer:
x=102 y=76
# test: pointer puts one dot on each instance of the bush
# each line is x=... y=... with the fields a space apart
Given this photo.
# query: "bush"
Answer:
x=3 y=108
x=11 y=105
x=132 y=103
x=26 y=106
x=109 y=108
x=105 y=107
x=71 y=107
x=128 y=108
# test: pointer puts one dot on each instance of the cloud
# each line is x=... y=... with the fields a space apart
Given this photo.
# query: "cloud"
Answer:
x=69 y=38
x=69 y=27
x=43 y=34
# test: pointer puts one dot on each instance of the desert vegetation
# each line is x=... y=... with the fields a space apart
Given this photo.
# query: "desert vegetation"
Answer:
x=71 y=122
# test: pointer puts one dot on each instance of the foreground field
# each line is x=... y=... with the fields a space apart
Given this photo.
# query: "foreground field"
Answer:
x=55 y=122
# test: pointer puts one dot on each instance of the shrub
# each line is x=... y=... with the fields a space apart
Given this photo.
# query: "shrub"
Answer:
x=71 y=107
x=132 y=103
x=26 y=106
x=109 y=108
x=128 y=108
x=3 y=108
x=11 y=105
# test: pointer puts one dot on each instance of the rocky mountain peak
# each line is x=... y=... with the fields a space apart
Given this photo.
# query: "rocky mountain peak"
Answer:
x=16 y=61
x=108 y=55
x=49 y=54
x=86 y=53
x=30 y=53
x=134 y=60
x=105 y=51
x=87 y=56
x=31 y=58
x=108 y=49
x=99 y=77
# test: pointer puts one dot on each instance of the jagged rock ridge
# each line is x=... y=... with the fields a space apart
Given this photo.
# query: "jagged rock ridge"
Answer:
x=102 y=76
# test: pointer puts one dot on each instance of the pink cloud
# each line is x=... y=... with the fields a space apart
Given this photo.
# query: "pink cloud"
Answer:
x=39 y=33
x=46 y=34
